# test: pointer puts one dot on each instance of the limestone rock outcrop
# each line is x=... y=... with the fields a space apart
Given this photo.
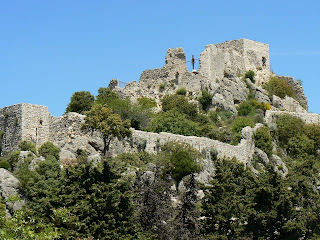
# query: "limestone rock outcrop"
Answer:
x=9 y=185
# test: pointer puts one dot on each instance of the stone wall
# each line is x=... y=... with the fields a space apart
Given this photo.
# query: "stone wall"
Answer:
x=11 y=125
x=271 y=116
x=35 y=123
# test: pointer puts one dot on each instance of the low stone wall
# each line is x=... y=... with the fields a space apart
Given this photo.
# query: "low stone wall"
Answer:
x=243 y=151
x=271 y=116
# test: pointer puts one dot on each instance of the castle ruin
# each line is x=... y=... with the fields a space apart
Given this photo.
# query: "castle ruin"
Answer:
x=221 y=68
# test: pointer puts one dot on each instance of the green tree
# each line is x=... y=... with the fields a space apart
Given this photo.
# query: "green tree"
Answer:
x=288 y=127
x=173 y=122
x=179 y=103
x=182 y=159
x=205 y=99
x=80 y=102
x=28 y=146
x=279 y=87
x=102 y=118
x=49 y=149
x=263 y=140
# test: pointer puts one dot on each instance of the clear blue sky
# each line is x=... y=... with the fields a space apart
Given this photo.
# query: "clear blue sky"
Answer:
x=50 y=49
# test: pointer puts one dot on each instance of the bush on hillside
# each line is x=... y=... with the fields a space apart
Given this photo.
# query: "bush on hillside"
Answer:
x=205 y=99
x=250 y=74
x=181 y=91
x=287 y=127
x=28 y=146
x=279 y=87
x=300 y=145
x=182 y=160
x=48 y=149
x=173 y=122
x=263 y=140
x=180 y=104
x=313 y=133
x=241 y=122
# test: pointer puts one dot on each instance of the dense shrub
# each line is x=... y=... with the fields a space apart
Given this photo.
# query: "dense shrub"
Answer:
x=313 y=133
x=241 y=122
x=48 y=149
x=300 y=145
x=250 y=74
x=248 y=107
x=146 y=102
x=138 y=113
x=279 y=87
x=173 y=122
x=205 y=99
x=245 y=108
x=180 y=104
x=181 y=91
x=288 y=127
x=28 y=146
x=182 y=160
x=5 y=164
x=80 y=102
x=263 y=140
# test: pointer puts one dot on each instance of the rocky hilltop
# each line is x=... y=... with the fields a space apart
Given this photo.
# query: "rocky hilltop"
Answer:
x=234 y=74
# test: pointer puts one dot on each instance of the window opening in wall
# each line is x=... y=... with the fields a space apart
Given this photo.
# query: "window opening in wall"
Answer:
x=41 y=122
x=264 y=60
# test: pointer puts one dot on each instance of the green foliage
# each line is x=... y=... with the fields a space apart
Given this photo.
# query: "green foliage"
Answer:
x=102 y=118
x=241 y=122
x=248 y=107
x=173 y=122
x=250 y=74
x=181 y=91
x=300 y=145
x=146 y=102
x=245 y=108
x=241 y=205
x=83 y=201
x=24 y=226
x=205 y=99
x=313 y=133
x=138 y=114
x=288 y=127
x=48 y=149
x=263 y=140
x=5 y=164
x=12 y=158
x=180 y=104
x=80 y=102
x=28 y=146
x=182 y=160
x=279 y=87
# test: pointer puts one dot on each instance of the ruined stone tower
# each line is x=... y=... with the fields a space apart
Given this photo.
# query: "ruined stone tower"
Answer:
x=237 y=56
x=24 y=121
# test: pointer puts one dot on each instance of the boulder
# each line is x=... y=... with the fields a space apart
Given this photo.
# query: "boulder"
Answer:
x=9 y=191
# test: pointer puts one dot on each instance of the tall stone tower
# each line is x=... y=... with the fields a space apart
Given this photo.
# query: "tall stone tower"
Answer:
x=23 y=121
x=237 y=56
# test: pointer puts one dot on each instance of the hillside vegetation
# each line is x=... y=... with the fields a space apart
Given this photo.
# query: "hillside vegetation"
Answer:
x=157 y=196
